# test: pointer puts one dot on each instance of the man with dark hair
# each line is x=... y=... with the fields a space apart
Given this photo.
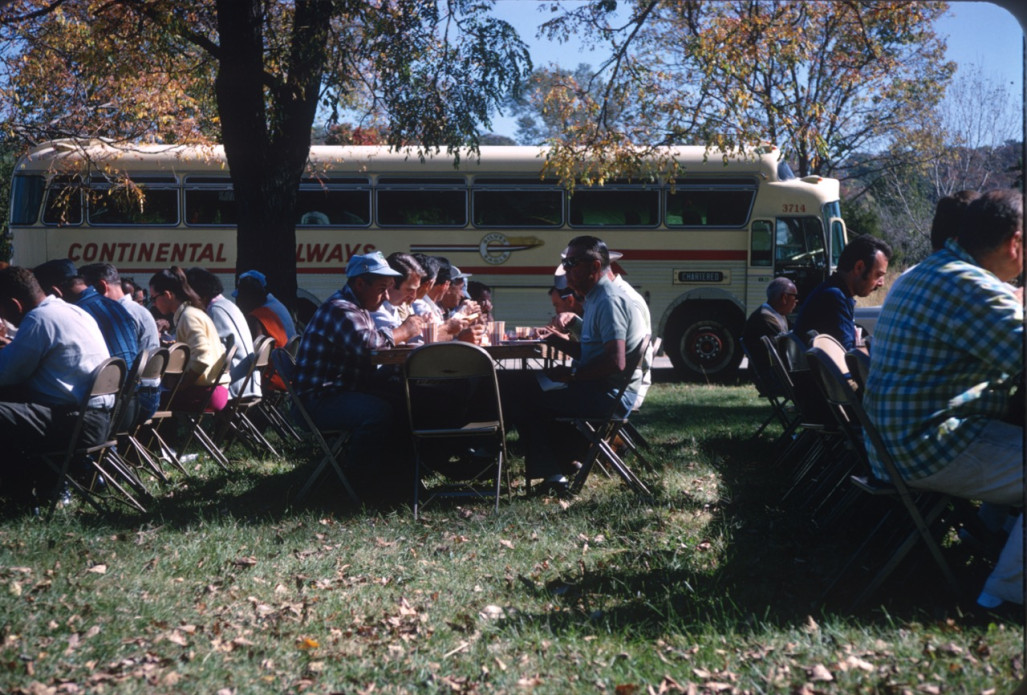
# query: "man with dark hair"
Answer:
x=105 y=279
x=45 y=372
x=612 y=329
x=60 y=278
x=402 y=292
x=948 y=217
x=335 y=378
x=947 y=348
x=270 y=301
x=830 y=306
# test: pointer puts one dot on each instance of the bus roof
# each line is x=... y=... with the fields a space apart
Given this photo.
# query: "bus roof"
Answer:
x=68 y=156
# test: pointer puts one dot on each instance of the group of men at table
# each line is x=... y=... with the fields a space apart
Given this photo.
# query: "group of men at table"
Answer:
x=388 y=301
x=947 y=357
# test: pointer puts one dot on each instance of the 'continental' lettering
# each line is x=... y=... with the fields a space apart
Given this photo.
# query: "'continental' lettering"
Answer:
x=124 y=252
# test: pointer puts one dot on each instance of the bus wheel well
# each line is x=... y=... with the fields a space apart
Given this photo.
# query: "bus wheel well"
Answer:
x=702 y=340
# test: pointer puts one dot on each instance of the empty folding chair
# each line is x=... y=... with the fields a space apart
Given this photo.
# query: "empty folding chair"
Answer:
x=919 y=510
x=455 y=372
x=333 y=452
x=151 y=370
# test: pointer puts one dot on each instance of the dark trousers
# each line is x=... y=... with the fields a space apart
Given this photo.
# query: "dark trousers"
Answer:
x=28 y=429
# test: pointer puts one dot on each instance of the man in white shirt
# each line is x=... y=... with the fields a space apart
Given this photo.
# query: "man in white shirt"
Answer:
x=45 y=372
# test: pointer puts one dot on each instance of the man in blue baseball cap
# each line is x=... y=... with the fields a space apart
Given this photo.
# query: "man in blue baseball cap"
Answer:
x=270 y=301
x=339 y=385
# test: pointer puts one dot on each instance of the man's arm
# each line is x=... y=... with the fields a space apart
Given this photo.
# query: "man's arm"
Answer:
x=19 y=359
x=612 y=360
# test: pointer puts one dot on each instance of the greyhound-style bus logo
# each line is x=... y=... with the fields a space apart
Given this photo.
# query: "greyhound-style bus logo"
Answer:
x=495 y=248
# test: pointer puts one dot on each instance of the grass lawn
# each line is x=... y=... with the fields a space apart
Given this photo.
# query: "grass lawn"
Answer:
x=713 y=587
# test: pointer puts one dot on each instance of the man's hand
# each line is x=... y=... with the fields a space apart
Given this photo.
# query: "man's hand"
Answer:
x=472 y=334
x=560 y=322
x=408 y=330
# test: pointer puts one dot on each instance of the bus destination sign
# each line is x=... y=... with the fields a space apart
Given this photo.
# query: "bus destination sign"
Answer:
x=701 y=276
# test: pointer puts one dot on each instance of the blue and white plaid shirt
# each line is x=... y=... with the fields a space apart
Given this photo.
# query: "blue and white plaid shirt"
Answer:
x=335 y=351
x=949 y=337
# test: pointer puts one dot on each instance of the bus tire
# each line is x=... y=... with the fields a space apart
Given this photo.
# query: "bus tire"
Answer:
x=703 y=342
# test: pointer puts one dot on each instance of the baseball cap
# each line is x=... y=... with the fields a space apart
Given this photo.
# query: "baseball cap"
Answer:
x=456 y=274
x=54 y=273
x=373 y=263
x=253 y=275
x=614 y=255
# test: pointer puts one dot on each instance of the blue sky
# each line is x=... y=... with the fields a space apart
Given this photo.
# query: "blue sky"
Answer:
x=979 y=33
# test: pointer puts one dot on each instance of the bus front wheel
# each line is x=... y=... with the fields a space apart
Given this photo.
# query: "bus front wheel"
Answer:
x=702 y=344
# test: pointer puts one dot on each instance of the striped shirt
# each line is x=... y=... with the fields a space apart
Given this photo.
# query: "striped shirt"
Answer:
x=948 y=339
x=335 y=352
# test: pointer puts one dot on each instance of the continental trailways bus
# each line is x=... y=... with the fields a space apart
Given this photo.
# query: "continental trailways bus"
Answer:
x=701 y=248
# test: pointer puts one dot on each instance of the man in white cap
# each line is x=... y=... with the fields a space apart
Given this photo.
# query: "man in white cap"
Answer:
x=335 y=378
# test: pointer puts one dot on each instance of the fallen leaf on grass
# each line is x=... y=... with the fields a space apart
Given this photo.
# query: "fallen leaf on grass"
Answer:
x=492 y=612
x=820 y=673
x=248 y=561
x=506 y=544
x=307 y=643
x=98 y=569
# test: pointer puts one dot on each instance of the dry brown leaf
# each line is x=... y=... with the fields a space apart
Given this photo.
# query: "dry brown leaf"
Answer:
x=626 y=689
x=98 y=569
x=506 y=544
x=820 y=673
x=248 y=561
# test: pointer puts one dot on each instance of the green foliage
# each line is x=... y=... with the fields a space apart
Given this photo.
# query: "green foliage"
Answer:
x=711 y=588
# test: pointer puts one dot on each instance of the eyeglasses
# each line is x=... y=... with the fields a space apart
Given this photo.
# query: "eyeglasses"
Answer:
x=791 y=294
x=570 y=262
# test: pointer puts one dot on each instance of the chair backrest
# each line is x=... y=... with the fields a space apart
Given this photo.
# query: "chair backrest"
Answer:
x=634 y=359
x=108 y=378
x=832 y=348
x=858 y=363
x=792 y=350
x=293 y=346
x=174 y=368
x=438 y=364
x=258 y=362
x=778 y=368
x=155 y=364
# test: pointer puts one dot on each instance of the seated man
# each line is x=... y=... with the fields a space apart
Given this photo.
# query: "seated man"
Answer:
x=829 y=307
x=335 y=378
x=612 y=329
x=769 y=320
x=402 y=292
x=45 y=372
x=271 y=302
x=949 y=339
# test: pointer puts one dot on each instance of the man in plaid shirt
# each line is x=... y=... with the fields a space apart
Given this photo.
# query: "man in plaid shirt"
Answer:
x=335 y=378
x=947 y=348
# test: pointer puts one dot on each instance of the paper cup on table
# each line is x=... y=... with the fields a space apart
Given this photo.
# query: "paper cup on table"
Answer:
x=523 y=332
x=497 y=332
x=430 y=332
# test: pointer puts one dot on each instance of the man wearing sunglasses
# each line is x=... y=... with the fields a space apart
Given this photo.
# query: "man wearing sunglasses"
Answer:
x=612 y=329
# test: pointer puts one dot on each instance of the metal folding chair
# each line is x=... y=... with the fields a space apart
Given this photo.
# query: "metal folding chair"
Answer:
x=196 y=417
x=332 y=454
x=455 y=372
x=920 y=509
x=601 y=432
x=147 y=434
x=234 y=420
x=102 y=482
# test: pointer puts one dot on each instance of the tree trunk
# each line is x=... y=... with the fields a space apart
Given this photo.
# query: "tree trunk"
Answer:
x=266 y=131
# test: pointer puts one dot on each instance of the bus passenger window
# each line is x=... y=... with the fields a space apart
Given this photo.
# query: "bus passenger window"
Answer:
x=139 y=204
x=26 y=196
x=210 y=206
x=518 y=208
x=710 y=203
x=422 y=207
x=328 y=205
x=612 y=207
x=63 y=203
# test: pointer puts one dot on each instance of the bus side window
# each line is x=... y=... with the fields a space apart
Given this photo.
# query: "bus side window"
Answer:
x=63 y=203
x=428 y=207
x=613 y=207
x=762 y=244
x=518 y=208
x=141 y=204
x=334 y=201
x=26 y=196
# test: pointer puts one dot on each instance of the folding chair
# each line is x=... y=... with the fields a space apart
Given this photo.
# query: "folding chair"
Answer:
x=285 y=365
x=922 y=509
x=455 y=372
x=858 y=363
x=195 y=418
x=632 y=438
x=148 y=433
x=151 y=370
x=107 y=380
x=768 y=387
x=234 y=421
x=601 y=431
